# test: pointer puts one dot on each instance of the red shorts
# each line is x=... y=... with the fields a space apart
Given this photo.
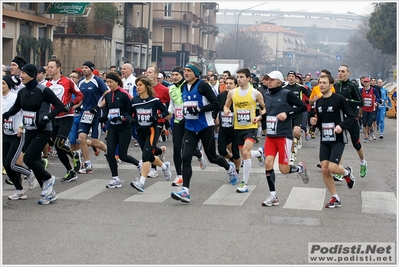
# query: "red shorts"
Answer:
x=280 y=145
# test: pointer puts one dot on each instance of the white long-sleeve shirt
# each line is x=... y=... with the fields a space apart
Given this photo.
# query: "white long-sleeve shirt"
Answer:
x=10 y=126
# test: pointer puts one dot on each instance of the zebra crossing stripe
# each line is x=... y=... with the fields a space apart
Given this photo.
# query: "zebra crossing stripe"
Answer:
x=305 y=198
x=156 y=193
x=227 y=195
x=85 y=191
x=378 y=202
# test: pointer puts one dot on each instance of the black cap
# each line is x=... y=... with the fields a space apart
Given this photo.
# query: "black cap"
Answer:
x=41 y=69
x=21 y=61
x=30 y=69
x=89 y=64
x=291 y=72
x=9 y=81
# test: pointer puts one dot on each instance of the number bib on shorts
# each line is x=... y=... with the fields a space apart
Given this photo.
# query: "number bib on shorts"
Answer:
x=8 y=126
x=327 y=133
x=179 y=113
x=87 y=117
x=244 y=117
x=271 y=125
x=187 y=108
x=144 y=117
x=226 y=120
x=29 y=120
x=112 y=113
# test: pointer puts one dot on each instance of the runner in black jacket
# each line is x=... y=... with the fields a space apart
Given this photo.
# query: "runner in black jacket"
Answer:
x=35 y=101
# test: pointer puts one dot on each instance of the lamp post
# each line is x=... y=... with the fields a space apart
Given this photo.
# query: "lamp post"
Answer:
x=254 y=31
x=353 y=13
x=238 y=22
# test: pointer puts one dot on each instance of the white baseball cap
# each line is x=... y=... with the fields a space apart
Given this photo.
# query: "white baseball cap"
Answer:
x=276 y=75
x=160 y=75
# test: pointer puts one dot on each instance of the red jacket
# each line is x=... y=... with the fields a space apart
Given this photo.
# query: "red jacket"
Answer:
x=64 y=88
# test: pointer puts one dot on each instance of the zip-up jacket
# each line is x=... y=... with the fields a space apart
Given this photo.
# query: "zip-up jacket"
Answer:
x=351 y=93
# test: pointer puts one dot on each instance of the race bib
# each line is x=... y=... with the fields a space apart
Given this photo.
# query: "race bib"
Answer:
x=244 y=117
x=368 y=102
x=226 y=120
x=271 y=125
x=8 y=126
x=327 y=131
x=112 y=113
x=29 y=120
x=187 y=107
x=179 y=113
x=144 y=117
x=87 y=117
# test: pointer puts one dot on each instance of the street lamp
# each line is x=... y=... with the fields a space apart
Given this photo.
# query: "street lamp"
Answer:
x=254 y=31
x=238 y=22
x=353 y=13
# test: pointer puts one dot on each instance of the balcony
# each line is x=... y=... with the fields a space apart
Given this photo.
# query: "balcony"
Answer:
x=84 y=29
x=185 y=17
x=177 y=46
x=138 y=35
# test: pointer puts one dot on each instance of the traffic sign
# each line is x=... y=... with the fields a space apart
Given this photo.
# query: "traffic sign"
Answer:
x=338 y=57
x=290 y=55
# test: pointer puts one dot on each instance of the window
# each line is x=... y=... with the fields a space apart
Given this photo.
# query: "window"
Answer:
x=168 y=10
x=168 y=39
x=27 y=5
x=42 y=7
x=25 y=30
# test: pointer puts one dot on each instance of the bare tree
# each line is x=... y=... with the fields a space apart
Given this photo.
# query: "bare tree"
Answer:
x=364 y=58
x=250 y=47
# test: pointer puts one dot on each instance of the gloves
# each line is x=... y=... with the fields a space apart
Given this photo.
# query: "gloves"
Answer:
x=69 y=106
x=133 y=121
x=102 y=119
x=95 y=110
x=43 y=123
x=193 y=111
x=154 y=118
x=116 y=119
x=6 y=116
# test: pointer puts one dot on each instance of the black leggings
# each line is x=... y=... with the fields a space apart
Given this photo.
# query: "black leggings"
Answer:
x=354 y=132
x=147 y=138
x=61 y=129
x=190 y=141
x=177 y=137
x=121 y=137
x=34 y=144
x=227 y=136
x=12 y=148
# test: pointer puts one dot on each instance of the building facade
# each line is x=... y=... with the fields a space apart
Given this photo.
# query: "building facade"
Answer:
x=165 y=34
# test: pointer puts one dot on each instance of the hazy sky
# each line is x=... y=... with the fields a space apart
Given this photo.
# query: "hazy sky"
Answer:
x=338 y=7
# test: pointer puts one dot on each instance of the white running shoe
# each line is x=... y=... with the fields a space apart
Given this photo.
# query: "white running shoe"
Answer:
x=153 y=173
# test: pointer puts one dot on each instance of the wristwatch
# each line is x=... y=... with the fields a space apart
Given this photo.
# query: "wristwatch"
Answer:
x=45 y=118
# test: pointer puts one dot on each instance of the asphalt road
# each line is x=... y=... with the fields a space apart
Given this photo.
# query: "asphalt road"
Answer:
x=92 y=225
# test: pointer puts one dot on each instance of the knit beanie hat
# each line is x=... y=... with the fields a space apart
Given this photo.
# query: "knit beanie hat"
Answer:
x=178 y=70
x=9 y=81
x=89 y=64
x=195 y=68
x=21 y=61
x=30 y=69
